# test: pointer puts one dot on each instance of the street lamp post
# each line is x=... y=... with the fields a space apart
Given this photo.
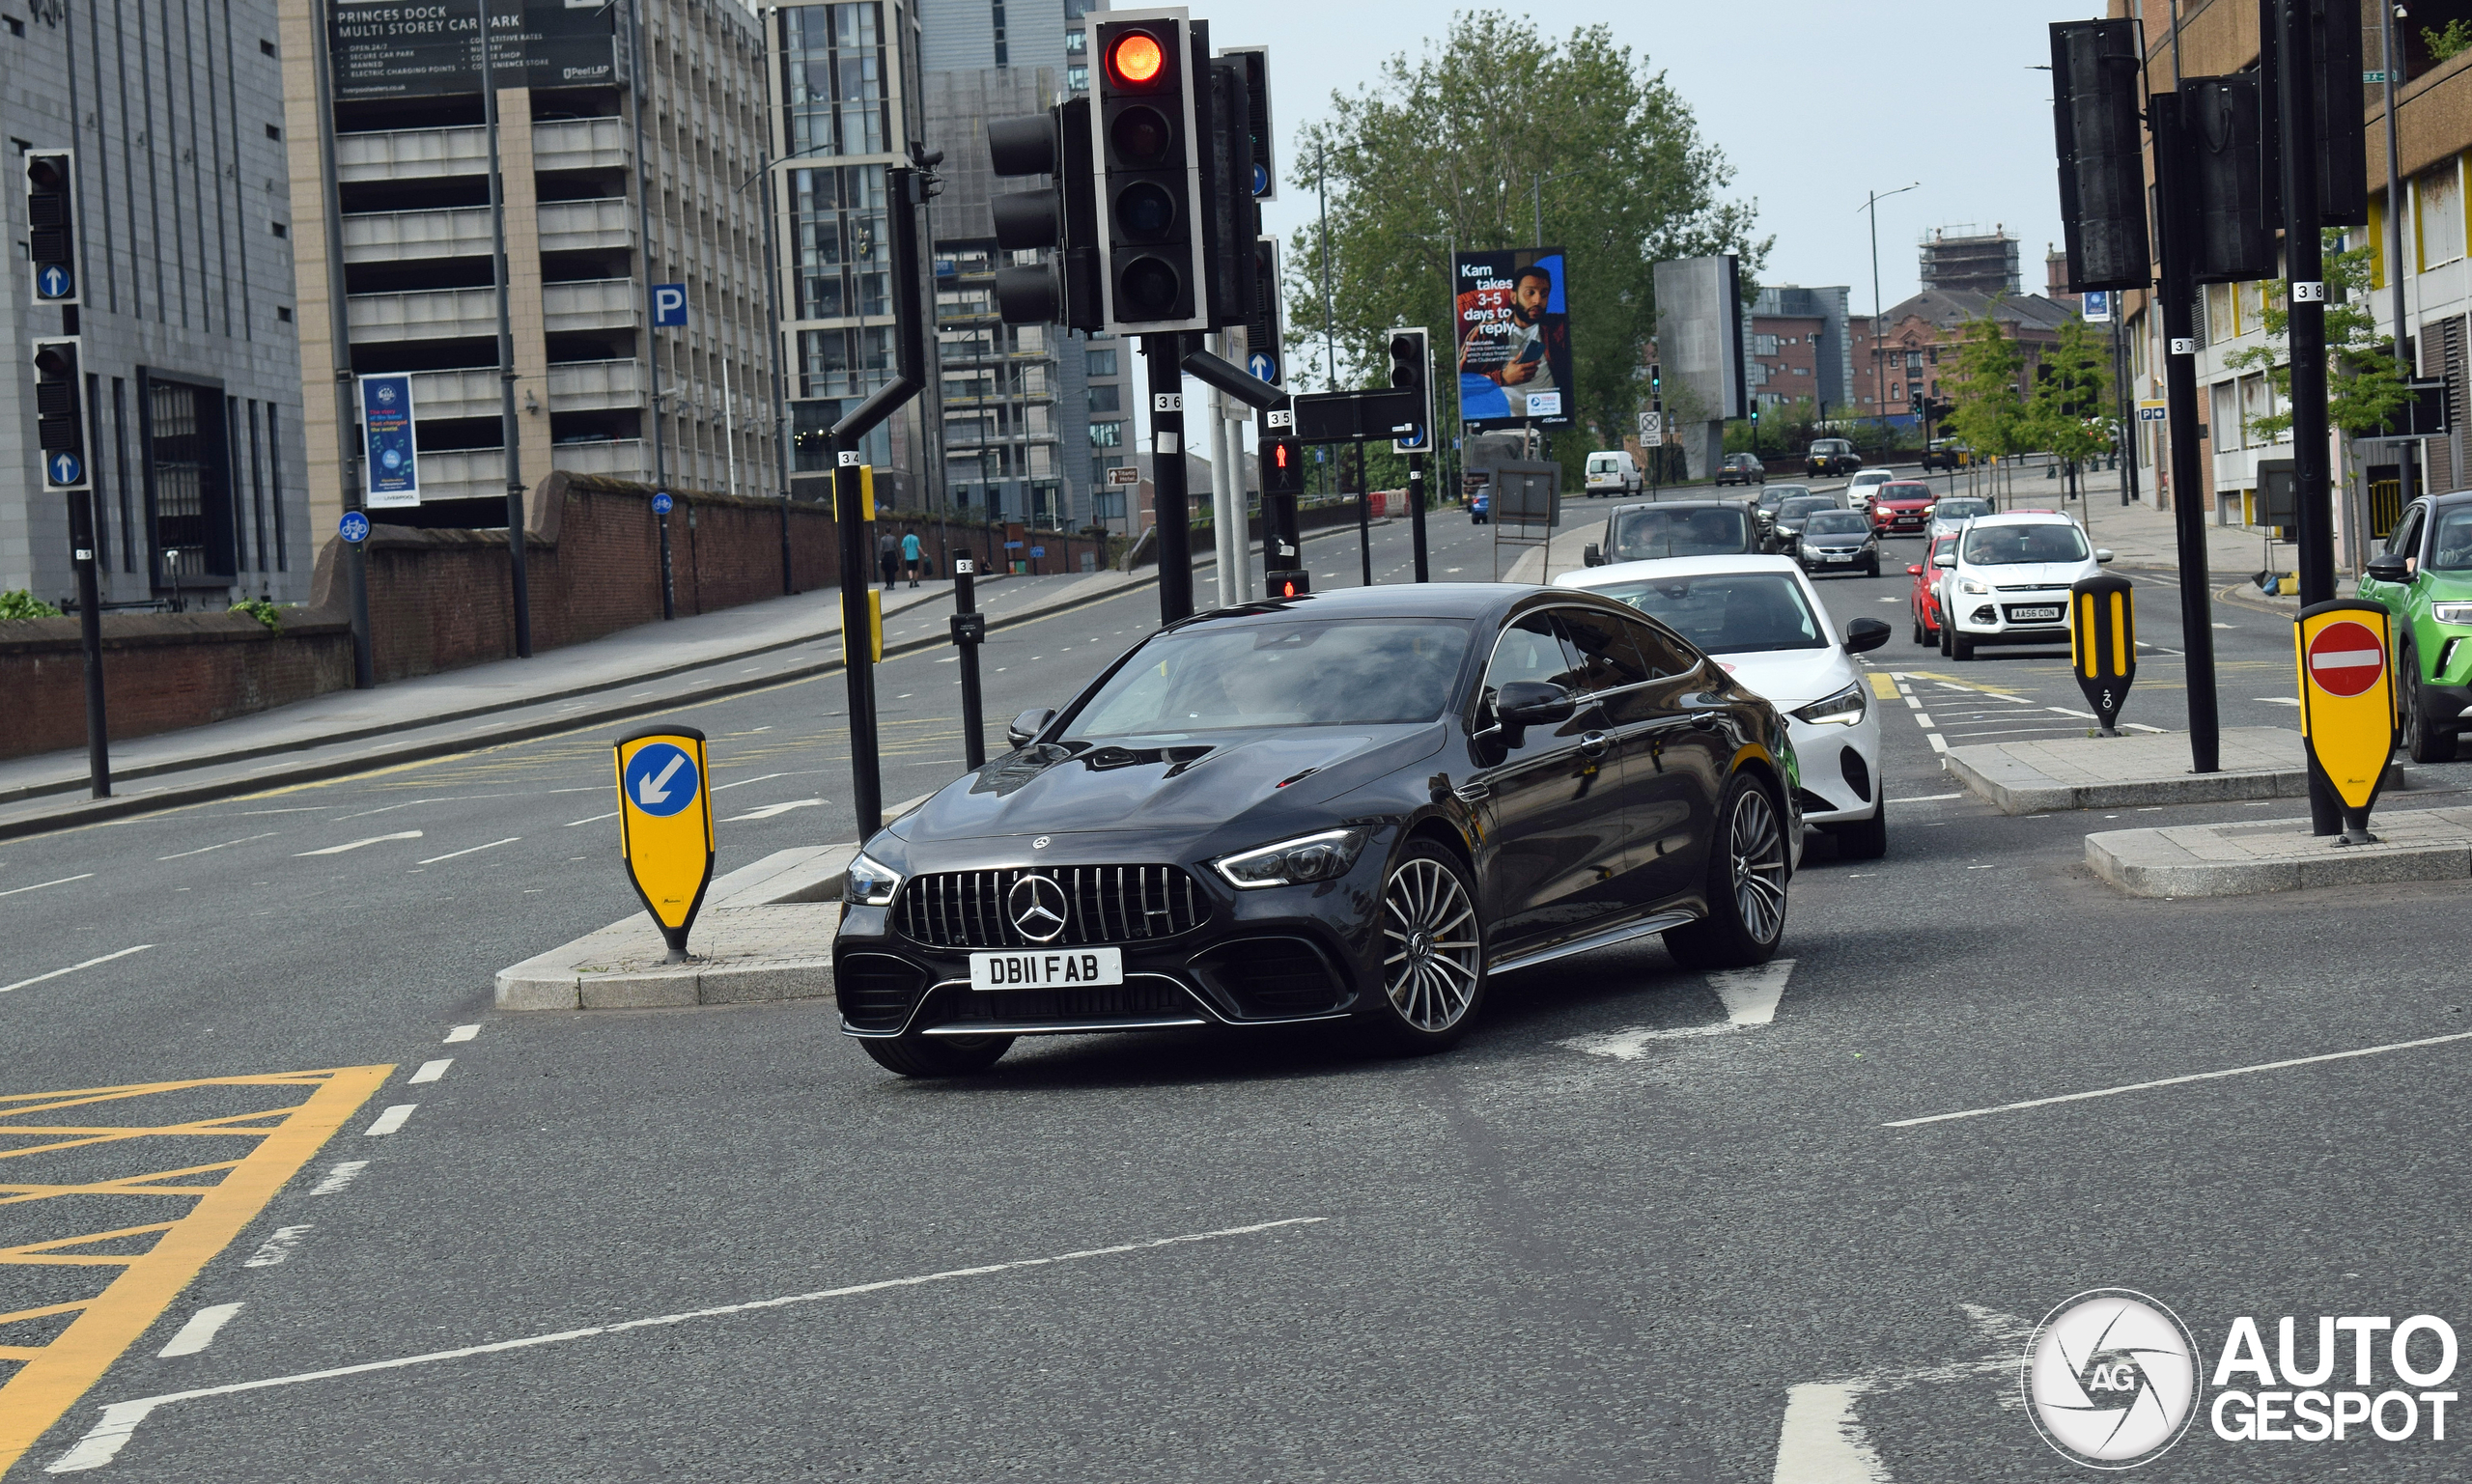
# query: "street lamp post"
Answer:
x=1871 y=204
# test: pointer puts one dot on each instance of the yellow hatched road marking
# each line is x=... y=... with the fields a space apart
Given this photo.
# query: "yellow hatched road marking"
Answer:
x=51 y=1377
x=1883 y=686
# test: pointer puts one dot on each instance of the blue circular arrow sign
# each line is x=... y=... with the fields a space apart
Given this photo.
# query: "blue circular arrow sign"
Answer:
x=661 y=503
x=1263 y=365
x=354 y=526
x=65 y=468
x=54 y=283
x=660 y=780
x=1261 y=178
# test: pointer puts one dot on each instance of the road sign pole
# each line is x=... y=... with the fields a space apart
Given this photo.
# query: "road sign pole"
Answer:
x=2180 y=393
x=970 y=631
x=2348 y=725
x=1363 y=516
x=90 y=638
x=1164 y=354
x=665 y=826
x=857 y=621
x=668 y=583
x=1416 y=512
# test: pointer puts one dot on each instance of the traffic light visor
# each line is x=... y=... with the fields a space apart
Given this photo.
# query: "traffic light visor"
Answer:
x=45 y=172
x=1136 y=60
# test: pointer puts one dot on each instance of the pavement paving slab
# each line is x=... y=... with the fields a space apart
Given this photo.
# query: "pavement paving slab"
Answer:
x=2252 y=856
x=2142 y=767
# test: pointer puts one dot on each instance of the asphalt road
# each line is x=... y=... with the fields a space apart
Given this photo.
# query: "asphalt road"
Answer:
x=1616 y=1236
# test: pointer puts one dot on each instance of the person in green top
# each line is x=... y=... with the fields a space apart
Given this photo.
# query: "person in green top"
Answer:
x=911 y=553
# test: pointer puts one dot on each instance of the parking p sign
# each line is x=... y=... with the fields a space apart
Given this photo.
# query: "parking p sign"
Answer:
x=669 y=304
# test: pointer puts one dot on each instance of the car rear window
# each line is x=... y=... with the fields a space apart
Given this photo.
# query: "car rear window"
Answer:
x=1903 y=491
x=1728 y=613
x=1331 y=672
x=1794 y=509
x=1649 y=531
x=1961 y=508
x=1838 y=522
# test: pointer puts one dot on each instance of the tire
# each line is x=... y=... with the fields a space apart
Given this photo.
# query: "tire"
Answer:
x=1748 y=872
x=1864 y=839
x=1919 y=636
x=935 y=1055
x=1873 y=570
x=1960 y=647
x=1945 y=629
x=2428 y=744
x=1433 y=969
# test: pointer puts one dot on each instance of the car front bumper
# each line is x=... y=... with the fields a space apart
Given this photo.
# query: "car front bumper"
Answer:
x=1839 y=767
x=1994 y=618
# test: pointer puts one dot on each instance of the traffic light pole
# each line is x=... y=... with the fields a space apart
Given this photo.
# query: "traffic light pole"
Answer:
x=2180 y=392
x=90 y=633
x=519 y=583
x=1416 y=512
x=970 y=631
x=1163 y=353
x=1363 y=516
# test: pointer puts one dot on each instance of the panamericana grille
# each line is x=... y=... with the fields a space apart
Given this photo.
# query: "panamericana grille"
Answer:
x=1102 y=904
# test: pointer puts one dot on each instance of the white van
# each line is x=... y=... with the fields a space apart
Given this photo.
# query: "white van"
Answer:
x=1612 y=471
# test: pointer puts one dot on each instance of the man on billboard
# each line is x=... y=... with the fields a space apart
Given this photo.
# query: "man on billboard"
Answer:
x=1515 y=338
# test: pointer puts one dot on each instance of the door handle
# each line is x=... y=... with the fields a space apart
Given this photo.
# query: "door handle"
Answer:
x=1594 y=745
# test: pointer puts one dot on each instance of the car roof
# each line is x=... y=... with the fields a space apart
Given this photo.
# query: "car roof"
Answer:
x=1674 y=567
x=1392 y=600
x=2024 y=517
x=1731 y=502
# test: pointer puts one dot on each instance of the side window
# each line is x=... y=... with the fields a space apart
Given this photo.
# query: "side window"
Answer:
x=1665 y=656
x=2406 y=539
x=1602 y=655
x=1530 y=649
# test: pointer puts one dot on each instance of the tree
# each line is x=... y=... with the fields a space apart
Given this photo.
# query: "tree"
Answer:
x=1457 y=148
x=2072 y=411
x=2365 y=384
x=1990 y=415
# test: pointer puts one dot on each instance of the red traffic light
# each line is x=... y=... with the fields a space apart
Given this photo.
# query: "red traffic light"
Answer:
x=1136 y=60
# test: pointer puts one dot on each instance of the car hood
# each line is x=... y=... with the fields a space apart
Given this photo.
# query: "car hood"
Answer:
x=1790 y=677
x=2031 y=573
x=1081 y=787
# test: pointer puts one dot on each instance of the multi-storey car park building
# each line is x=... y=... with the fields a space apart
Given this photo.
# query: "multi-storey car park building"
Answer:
x=625 y=132
x=185 y=235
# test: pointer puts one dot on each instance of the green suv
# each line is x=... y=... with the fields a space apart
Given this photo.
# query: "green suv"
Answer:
x=2424 y=577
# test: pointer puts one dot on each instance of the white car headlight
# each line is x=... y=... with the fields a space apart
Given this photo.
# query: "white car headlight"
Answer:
x=1313 y=857
x=1970 y=587
x=1846 y=708
x=871 y=883
x=2452 y=612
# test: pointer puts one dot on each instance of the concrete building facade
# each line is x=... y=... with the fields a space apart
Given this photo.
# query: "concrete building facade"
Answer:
x=186 y=238
x=1798 y=348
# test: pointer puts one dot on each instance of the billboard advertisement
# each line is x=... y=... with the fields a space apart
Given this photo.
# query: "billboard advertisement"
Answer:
x=393 y=474
x=397 y=48
x=1512 y=328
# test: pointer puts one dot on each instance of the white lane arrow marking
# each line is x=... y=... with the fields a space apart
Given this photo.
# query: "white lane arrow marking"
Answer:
x=1750 y=995
x=337 y=850
x=1820 y=1441
x=655 y=791
x=769 y=810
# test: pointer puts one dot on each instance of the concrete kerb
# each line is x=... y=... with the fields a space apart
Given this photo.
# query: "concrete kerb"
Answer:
x=2142 y=768
x=2254 y=856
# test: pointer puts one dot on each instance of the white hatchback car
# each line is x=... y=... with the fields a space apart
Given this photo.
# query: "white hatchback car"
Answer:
x=1760 y=618
x=1863 y=487
x=2006 y=580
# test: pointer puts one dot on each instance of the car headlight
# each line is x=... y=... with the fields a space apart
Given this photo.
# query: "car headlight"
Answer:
x=1314 y=857
x=1846 y=708
x=871 y=883
x=2452 y=612
x=1970 y=586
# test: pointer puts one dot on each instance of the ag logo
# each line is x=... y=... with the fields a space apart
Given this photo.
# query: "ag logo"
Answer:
x=1036 y=905
x=2111 y=1379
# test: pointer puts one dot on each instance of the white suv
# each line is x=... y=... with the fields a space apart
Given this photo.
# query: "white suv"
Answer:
x=2006 y=580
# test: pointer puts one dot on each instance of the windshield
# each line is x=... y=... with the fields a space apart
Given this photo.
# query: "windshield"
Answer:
x=1795 y=510
x=1775 y=496
x=1835 y=522
x=2002 y=546
x=1728 y=613
x=1961 y=508
x=2451 y=544
x=1647 y=531
x=1903 y=491
x=1335 y=672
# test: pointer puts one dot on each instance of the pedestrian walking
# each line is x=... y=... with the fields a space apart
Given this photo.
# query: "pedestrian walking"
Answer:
x=887 y=557
x=911 y=553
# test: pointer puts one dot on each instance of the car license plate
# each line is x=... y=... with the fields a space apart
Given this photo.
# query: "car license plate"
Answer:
x=1835 y=556
x=1046 y=969
x=2032 y=615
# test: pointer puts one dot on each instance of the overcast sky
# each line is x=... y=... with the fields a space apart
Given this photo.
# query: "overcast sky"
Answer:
x=1814 y=101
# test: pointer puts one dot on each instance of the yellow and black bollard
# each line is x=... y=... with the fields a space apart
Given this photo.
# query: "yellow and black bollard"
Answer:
x=2347 y=720
x=2102 y=640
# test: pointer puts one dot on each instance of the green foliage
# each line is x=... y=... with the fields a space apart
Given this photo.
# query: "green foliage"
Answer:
x=2365 y=384
x=263 y=611
x=24 y=604
x=1456 y=148
x=2445 y=44
x=1991 y=417
x=2071 y=412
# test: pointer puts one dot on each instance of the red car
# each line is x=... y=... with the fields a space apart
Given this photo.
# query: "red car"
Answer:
x=1901 y=506
x=1924 y=602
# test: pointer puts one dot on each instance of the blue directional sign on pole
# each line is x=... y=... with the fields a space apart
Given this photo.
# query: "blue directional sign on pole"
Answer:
x=662 y=503
x=54 y=285
x=669 y=304
x=1264 y=366
x=353 y=528
x=64 y=471
x=661 y=780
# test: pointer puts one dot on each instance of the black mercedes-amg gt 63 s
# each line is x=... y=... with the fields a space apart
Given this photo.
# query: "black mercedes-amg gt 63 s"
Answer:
x=1353 y=806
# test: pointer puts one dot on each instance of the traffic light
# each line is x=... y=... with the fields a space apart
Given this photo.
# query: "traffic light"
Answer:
x=1410 y=371
x=2096 y=72
x=1295 y=583
x=60 y=413
x=2341 y=146
x=1265 y=350
x=1657 y=387
x=2219 y=120
x=1146 y=157
x=51 y=226
x=1231 y=220
x=1264 y=174
x=1282 y=466
x=1060 y=221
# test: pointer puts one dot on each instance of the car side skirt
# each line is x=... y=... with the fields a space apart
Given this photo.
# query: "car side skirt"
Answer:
x=1659 y=923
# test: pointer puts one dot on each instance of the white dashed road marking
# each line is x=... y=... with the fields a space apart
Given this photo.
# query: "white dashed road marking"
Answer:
x=390 y=1120
x=199 y=1331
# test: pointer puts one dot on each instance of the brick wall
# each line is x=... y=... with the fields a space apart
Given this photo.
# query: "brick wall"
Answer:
x=162 y=671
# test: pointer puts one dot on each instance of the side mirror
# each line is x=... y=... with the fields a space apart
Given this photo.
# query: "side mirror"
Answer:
x=1594 y=556
x=1025 y=727
x=2389 y=567
x=1527 y=703
x=1913 y=571
x=1945 y=560
x=1866 y=633
x=2102 y=554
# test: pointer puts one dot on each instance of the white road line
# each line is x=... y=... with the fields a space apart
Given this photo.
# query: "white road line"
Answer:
x=1913 y=702
x=199 y=1331
x=431 y=1071
x=474 y=851
x=339 y=1176
x=738 y=783
x=1939 y=743
x=2173 y=1081
x=2279 y=700
x=2140 y=726
x=73 y=967
x=462 y=1034
x=595 y=820
x=203 y=848
x=767 y=811
x=1928 y=799
x=39 y=885
x=1924 y=720
x=276 y=1249
x=1749 y=996
x=390 y=1120
x=120 y=1419
x=337 y=850
x=1821 y=1439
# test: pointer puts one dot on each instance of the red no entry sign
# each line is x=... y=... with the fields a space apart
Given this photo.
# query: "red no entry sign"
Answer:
x=2346 y=658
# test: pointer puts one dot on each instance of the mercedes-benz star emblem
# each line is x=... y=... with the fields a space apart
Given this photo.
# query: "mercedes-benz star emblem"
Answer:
x=1037 y=904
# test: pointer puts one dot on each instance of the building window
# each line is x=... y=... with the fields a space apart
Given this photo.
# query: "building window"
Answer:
x=1077 y=43
x=844 y=363
x=1100 y=363
x=1106 y=434
x=1077 y=79
x=189 y=482
x=996 y=14
x=274 y=133
x=832 y=72
x=1107 y=398
x=839 y=236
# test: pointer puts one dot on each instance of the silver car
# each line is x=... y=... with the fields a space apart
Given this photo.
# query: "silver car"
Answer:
x=1950 y=513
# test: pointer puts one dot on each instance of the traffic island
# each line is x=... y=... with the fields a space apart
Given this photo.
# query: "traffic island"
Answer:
x=2142 y=767
x=2253 y=857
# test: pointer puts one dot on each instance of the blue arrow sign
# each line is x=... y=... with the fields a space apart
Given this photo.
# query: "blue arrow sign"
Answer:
x=353 y=528
x=660 y=780
x=661 y=503
x=66 y=468
x=1264 y=366
x=1262 y=179
x=54 y=283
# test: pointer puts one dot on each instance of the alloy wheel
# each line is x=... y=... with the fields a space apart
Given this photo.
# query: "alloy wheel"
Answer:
x=1758 y=850
x=1431 y=971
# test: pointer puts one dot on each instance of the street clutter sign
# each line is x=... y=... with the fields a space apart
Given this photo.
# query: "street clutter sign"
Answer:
x=393 y=479
x=669 y=304
x=413 y=48
x=353 y=528
x=2102 y=641
x=2347 y=703
x=665 y=824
